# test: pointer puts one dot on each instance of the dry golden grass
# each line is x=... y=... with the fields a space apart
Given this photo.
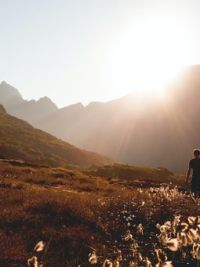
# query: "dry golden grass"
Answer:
x=73 y=210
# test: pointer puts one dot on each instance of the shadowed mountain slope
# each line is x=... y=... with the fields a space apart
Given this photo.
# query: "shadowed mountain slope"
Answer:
x=19 y=140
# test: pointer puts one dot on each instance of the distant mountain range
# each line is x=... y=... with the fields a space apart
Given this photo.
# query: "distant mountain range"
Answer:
x=132 y=129
x=19 y=140
x=31 y=111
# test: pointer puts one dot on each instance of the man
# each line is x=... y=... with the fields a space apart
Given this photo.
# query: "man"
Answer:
x=194 y=165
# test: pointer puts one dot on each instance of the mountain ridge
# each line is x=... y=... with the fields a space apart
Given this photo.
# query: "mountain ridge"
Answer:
x=29 y=110
x=134 y=129
x=20 y=140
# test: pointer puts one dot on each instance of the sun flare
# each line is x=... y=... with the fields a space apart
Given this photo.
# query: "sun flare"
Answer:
x=150 y=53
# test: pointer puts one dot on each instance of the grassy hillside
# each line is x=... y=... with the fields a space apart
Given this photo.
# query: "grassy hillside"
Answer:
x=76 y=214
x=19 y=140
x=135 y=175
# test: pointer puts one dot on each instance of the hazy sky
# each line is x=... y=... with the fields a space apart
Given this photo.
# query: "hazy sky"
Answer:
x=88 y=50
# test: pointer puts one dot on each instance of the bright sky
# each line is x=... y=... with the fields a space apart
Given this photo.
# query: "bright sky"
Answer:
x=89 y=50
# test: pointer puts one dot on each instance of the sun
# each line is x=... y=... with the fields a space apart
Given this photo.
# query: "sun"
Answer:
x=149 y=53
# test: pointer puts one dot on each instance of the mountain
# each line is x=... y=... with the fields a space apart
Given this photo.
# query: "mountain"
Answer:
x=30 y=111
x=135 y=129
x=126 y=129
x=19 y=140
x=138 y=130
x=58 y=122
x=9 y=95
x=99 y=126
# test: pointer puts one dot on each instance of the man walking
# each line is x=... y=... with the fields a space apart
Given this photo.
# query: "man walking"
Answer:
x=194 y=166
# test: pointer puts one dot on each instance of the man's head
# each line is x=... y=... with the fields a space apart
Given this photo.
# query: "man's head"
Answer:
x=196 y=153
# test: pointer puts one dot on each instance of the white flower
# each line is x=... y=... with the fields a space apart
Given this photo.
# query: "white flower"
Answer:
x=107 y=263
x=168 y=225
x=33 y=262
x=184 y=226
x=158 y=226
x=116 y=263
x=148 y=263
x=192 y=233
x=185 y=239
x=163 y=229
x=119 y=255
x=173 y=244
x=196 y=251
x=177 y=220
x=140 y=229
x=140 y=258
x=93 y=258
x=132 y=264
x=128 y=236
x=163 y=238
x=161 y=257
x=167 y=264
x=39 y=246
x=198 y=219
x=192 y=220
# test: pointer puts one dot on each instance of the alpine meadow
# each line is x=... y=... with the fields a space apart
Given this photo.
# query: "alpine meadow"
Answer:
x=100 y=133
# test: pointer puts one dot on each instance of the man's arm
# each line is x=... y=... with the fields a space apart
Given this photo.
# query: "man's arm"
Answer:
x=188 y=175
x=188 y=172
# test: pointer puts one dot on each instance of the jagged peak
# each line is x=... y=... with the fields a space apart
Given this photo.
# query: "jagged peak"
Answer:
x=45 y=98
x=46 y=101
x=3 y=83
x=9 y=89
